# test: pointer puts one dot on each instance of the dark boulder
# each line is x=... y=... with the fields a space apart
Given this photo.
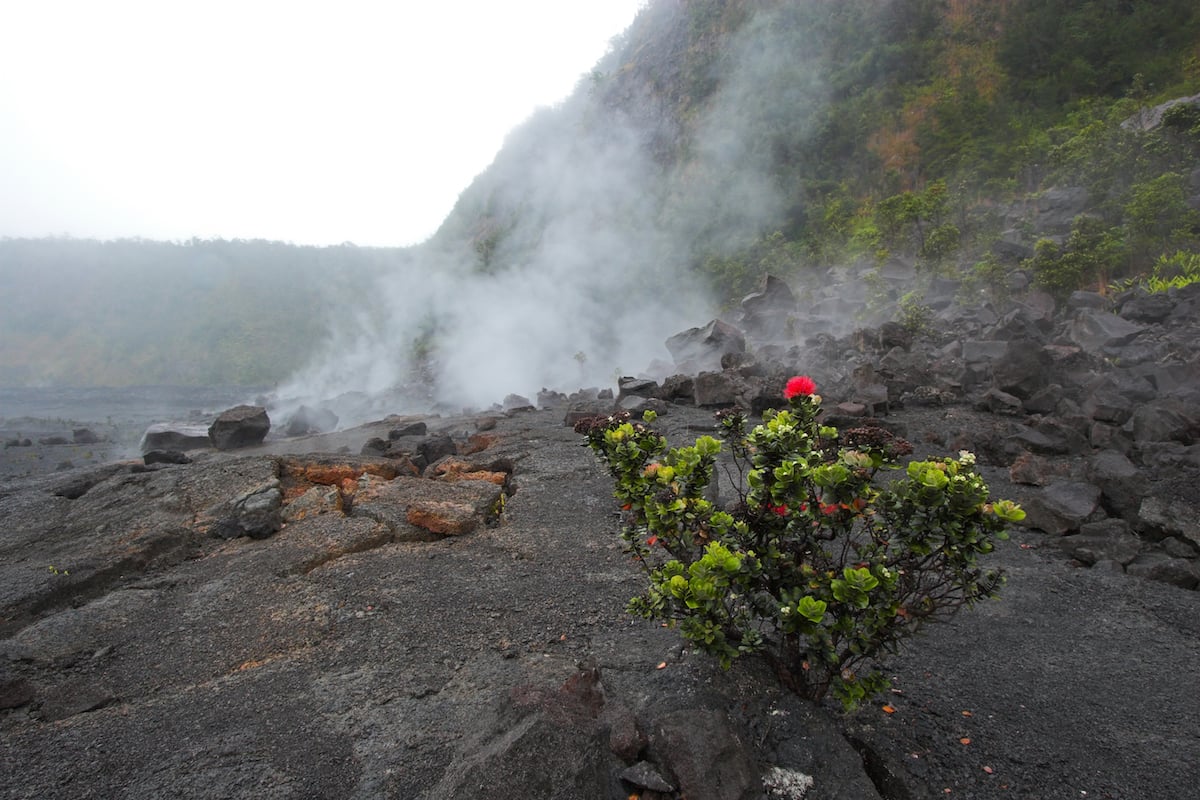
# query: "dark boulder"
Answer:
x=768 y=312
x=1082 y=299
x=240 y=426
x=84 y=436
x=1106 y=540
x=15 y=692
x=1023 y=322
x=636 y=387
x=678 y=389
x=255 y=513
x=704 y=754
x=517 y=402
x=1164 y=568
x=699 y=349
x=1093 y=330
x=165 y=457
x=1179 y=517
x=434 y=448
x=882 y=339
x=637 y=406
x=1160 y=421
x=408 y=429
x=1063 y=507
x=1023 y=370
x=773 y=294
x=308 y=420
x=1123 y=485
x=718 y=389
x=175 y=436
x=1045 y=400
x=1032 y=470
x=1147 y=307
x=375 y=447
x=1109 y=405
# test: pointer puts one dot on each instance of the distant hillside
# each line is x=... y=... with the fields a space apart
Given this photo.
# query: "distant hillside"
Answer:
x=796 y=135
x=132 y=312
x=716 y=141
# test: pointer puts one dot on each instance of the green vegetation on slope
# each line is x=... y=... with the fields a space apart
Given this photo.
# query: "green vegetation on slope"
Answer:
x=901 y=128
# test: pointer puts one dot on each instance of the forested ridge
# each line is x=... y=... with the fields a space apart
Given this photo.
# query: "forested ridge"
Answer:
x=717 y=140
x=908 y=128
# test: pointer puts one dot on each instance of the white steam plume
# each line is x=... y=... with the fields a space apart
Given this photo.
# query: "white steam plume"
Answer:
x=567 y=262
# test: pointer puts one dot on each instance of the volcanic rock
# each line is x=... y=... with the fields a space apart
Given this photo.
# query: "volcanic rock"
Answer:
x=719 y=389
x=1123 y=485
x=1109 y=539
x=1094 y=330
x=175 y=436
x=1160 y=422
x=1172 y=516
x=307 y=420
x=698 y=349
x=1062 y=507
x=1022 y=370
x=768 y=311
x=165 y=457
x=1161 y=567
x=433 y=448
x=416 y=428
x=240 y=426
x=84 y=436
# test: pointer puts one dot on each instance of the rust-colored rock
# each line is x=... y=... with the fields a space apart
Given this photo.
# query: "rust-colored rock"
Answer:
x=457 y=470
x=444 y=517
x=1030 y=470
x=331 y=471
x=478 y=442
x=316 y=500
x=298 y=476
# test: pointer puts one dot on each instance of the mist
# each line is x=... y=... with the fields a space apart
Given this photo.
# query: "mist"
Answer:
x=571 y=259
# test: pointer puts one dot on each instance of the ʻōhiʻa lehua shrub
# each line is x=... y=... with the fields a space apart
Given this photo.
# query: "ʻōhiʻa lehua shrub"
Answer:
x=818 y=564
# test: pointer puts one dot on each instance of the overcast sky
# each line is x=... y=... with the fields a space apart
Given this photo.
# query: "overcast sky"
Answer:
x=308 y=122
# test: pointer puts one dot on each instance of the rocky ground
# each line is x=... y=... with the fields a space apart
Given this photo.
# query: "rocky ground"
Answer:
x=355 y=652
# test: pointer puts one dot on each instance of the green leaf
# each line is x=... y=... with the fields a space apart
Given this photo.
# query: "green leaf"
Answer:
x=811 y=608
x=1008 y=511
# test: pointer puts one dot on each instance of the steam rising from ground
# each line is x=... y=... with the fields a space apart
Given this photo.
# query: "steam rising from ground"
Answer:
x=567 y=263
x=575 y=288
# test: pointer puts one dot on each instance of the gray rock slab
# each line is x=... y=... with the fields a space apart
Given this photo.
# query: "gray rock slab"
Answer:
x=1093 y=330
x=1062 y=507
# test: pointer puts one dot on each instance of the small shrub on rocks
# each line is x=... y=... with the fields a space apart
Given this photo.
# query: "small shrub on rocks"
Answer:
x=816 y=565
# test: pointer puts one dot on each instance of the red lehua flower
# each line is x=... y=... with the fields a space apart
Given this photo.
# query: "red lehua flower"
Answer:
x=799 y=385
x=780 y=510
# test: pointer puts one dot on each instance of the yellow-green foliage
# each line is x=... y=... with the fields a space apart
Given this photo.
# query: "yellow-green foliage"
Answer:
x=815 y=565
